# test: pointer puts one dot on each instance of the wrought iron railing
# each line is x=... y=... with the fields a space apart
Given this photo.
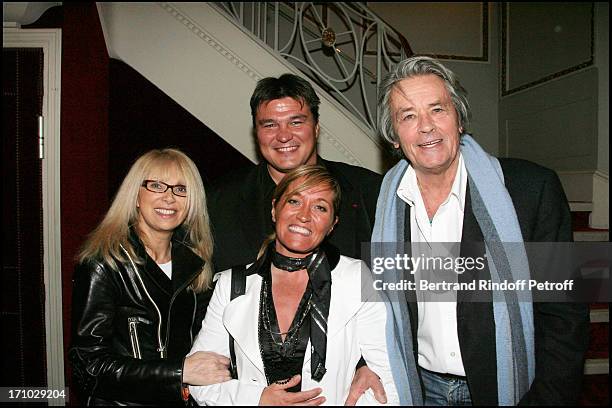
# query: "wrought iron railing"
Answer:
x=344 y=47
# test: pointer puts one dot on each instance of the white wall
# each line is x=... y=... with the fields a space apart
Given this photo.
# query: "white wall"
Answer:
x=453 y=31
x=556 y=109
x=553 y=124
x=602 y=62
x=549 y=113
x=601 y=192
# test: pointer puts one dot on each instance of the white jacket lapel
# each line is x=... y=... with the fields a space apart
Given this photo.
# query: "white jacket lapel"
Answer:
x=345 y=302
x=241 y=318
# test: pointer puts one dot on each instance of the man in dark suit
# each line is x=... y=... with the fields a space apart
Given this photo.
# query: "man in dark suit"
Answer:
x=285 y=114
x=449 y=190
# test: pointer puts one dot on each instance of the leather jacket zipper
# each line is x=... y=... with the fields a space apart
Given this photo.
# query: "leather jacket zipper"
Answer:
x=132 y=324
x=195 y=305
x=161 y=349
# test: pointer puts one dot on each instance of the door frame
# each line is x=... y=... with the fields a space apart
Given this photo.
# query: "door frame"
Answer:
x=50 y=40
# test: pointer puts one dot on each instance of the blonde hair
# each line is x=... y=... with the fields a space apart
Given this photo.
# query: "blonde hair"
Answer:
x=112 y=233
x=313 y=175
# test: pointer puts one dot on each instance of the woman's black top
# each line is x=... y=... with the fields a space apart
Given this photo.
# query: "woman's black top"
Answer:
x=282 y=359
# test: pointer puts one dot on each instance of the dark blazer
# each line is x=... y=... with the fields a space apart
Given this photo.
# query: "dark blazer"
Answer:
x=240 y=206
x=561 y=329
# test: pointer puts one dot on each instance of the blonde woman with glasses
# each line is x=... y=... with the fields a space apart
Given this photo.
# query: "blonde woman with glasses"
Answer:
x=141 y=289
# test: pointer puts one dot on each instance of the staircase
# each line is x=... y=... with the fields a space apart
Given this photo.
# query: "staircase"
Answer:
x=596 y=368
x=588 y=194
x=220 y=63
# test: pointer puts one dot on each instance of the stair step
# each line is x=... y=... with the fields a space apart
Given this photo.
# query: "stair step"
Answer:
x=592 y=235
x=600 y=305
x=580 y=219
x=595 y=390
x=581 y=206
x=599 y=339
x=600 y=315
x=595 y=366
x=597 y=356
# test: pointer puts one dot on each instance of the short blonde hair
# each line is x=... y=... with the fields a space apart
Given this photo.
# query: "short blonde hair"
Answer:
x=106 y=240
x=313 y=175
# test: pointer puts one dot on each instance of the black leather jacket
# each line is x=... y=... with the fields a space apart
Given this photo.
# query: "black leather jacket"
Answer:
x=132 y=327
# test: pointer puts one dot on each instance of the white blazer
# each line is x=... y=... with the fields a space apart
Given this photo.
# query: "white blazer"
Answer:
x=355 y=328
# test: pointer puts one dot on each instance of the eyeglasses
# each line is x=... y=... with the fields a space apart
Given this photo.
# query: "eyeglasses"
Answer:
x=161 y=187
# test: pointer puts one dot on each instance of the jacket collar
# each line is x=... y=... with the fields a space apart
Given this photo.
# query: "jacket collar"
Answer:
x=260 y=184
x=332 y=167
x=186 y=265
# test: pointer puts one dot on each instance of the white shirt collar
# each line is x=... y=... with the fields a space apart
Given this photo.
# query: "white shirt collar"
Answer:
x=408 y=187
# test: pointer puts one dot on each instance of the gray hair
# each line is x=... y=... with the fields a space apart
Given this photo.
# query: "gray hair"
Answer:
x=412 y=67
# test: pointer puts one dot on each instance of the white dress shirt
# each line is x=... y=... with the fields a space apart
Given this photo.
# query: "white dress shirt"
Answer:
x=437 y=338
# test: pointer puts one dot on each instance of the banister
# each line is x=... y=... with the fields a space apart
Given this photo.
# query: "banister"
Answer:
x=344 y=47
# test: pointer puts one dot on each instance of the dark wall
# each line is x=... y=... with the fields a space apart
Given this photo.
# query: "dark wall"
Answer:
x=84 y=138
x=22 y=287
x=84 y=134
x=142 y=117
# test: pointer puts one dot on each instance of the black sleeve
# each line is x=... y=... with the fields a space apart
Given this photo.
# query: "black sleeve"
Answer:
x=98 y=368
x=561 y=329
x=370 y=189
x=361 y=363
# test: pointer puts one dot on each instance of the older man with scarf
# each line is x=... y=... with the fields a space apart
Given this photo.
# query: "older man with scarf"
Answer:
x=448 y=189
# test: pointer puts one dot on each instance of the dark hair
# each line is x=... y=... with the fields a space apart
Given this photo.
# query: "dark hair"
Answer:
x=417 y=66
x=287 y=85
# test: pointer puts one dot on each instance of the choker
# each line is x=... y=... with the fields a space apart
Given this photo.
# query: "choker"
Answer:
x=289 y=264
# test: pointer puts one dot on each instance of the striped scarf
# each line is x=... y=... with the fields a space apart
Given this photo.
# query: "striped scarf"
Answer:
x=507 y=261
